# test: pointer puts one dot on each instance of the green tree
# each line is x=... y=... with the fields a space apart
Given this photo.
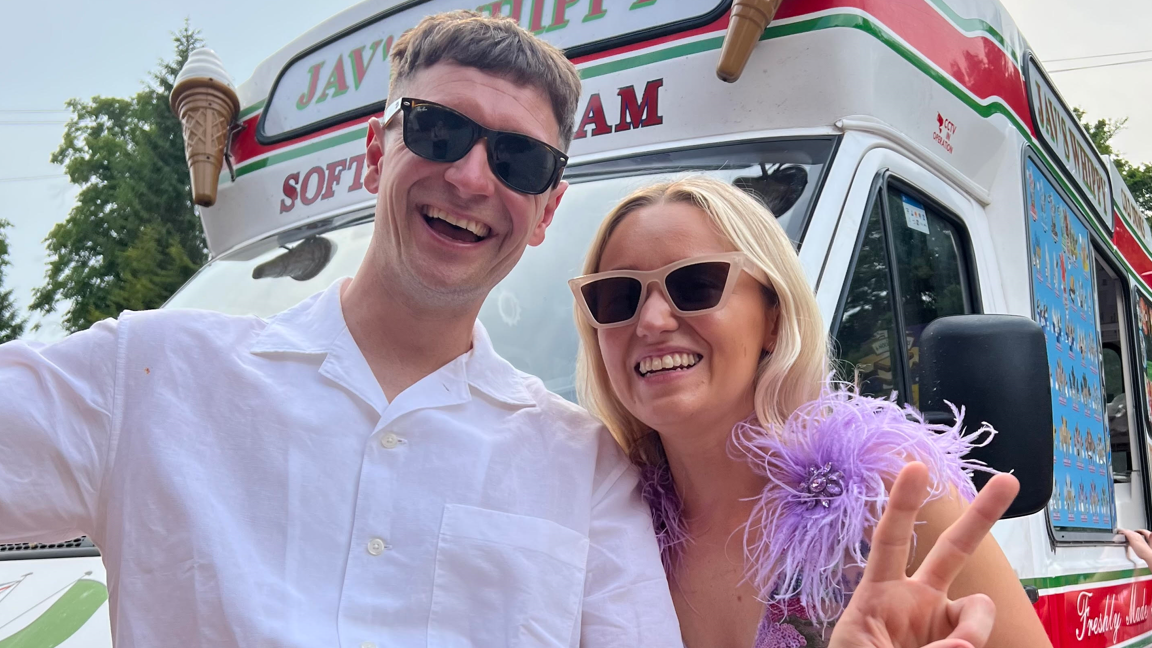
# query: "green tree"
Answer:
x=1138 y=177
x=11 y=325
x=133 y=237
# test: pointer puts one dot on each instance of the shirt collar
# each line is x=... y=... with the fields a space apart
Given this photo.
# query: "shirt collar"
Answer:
x=492 y=374
x=310 y=327
x=316 y=326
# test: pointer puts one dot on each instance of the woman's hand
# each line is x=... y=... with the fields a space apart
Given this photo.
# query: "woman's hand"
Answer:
x=889 y=609
x=1138 y=540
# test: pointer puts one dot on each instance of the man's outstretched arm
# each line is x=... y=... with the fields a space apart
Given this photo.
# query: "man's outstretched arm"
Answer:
x=57 y=412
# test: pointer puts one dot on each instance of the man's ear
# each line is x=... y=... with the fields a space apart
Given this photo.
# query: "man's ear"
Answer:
x=549 y=211
x=374 y=155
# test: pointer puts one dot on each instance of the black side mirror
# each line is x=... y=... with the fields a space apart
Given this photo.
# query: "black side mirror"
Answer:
x=996 y=366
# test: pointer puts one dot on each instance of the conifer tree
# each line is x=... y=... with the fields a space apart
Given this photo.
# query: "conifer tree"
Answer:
x=133 y=237
x=11 y=324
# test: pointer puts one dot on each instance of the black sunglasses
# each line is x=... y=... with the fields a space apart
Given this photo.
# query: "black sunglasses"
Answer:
x=440 y=134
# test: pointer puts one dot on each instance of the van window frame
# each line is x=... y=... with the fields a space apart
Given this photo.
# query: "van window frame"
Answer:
x=970 y=280
x=612 y=42
x=1102 y=253
x=1144 y=408
x=579 y=172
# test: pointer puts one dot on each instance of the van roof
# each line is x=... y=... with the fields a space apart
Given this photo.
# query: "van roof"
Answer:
x=966 y=56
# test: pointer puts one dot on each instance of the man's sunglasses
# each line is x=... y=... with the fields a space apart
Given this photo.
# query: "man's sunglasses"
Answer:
x=440 y=134
x=693 y=286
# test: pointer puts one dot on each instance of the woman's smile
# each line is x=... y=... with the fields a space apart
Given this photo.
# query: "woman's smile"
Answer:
x=664 y=362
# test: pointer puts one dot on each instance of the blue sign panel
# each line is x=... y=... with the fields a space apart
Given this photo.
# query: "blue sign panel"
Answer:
x=1064 y=293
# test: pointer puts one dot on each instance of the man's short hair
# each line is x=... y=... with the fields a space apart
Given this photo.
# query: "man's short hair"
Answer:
x=497 y=45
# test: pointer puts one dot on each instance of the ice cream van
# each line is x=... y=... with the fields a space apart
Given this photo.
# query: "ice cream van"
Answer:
x=915 y=151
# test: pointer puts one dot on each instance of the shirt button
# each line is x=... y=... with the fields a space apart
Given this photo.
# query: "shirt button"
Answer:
x=376 y=546
x=389 y=441
x=367 y=644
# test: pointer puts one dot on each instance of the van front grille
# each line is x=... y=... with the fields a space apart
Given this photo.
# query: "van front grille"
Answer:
x=78 y=547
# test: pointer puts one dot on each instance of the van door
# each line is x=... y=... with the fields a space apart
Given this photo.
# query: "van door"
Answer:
x=902 y=256
x=909 y=248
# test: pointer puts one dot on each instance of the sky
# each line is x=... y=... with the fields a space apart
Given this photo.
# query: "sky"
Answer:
x=57 y=50
x=54 y=51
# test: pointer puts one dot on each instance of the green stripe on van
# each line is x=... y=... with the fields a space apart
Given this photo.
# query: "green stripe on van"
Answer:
x=975 y=25
x=63 y=618
x=307 y=149
x=648 y=58
x=848 y=21
x=1072 y=580
x=251 y=109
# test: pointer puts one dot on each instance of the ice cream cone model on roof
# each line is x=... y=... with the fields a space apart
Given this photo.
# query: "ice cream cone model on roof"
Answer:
x=205 y=100
x=747 y=23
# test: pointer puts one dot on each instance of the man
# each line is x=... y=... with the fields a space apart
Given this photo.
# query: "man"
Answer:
x=362 y=469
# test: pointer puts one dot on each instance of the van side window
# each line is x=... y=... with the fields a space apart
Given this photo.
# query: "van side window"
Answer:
x=867 y=327
x=1114 y=365
x=925 y=247
x=1143 y=323
x=1124 y=376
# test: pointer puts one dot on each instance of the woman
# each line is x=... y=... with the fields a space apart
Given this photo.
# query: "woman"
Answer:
x=725 y=327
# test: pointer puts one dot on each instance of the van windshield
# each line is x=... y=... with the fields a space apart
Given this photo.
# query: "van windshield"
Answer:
x=529 y=314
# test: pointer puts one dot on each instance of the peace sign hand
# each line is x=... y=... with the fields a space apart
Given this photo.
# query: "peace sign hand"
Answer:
x=889 y=609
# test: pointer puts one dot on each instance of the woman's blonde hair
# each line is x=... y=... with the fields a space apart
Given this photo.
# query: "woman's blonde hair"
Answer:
x=785 y=379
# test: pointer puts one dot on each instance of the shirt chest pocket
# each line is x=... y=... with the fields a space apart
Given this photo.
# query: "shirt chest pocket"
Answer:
x=505 y=580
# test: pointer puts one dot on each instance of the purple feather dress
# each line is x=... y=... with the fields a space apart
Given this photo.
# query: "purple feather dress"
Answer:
x=804 y=544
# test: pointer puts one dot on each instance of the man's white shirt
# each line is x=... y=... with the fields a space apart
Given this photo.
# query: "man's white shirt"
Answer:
x=249 y=484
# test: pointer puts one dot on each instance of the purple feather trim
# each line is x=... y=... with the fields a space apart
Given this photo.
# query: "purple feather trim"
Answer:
x=659 y=492
x=827 y=467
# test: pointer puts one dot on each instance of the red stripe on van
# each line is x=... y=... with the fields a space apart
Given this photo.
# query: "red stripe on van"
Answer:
x=1099 y=617
x=975 y=62
x=245 y=147
x=1130 y=248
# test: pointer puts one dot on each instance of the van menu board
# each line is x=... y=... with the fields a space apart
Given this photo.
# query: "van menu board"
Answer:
x=1064 y=294
x=346 y=76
